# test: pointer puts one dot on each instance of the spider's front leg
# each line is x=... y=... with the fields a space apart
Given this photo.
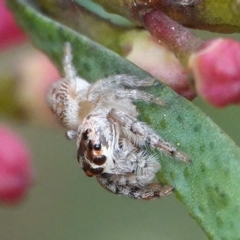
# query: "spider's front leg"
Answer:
x=119 y=81
x=142 y=133
x=125 y=185
x=121 y=87
x=134 y=95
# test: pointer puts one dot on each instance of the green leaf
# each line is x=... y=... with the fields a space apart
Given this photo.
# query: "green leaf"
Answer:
x=209 y=186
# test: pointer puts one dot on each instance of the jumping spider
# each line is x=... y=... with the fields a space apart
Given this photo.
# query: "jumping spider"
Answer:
x=112 y=144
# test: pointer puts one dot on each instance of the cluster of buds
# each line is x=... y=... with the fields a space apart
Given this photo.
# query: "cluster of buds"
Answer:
x=213 y=66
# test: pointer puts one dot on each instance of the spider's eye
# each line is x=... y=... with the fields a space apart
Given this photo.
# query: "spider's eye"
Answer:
x=97 y=146
x=100 y=160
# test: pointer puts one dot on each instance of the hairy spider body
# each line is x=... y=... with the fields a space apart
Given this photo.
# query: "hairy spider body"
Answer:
x=112 y=144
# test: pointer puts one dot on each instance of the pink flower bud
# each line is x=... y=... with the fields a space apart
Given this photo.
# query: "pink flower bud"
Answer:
x=16 y=173
x=216 y=69
x=152 y=56
x=10 y=33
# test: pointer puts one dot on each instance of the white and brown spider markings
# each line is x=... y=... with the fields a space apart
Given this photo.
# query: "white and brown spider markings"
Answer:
x=112 y=144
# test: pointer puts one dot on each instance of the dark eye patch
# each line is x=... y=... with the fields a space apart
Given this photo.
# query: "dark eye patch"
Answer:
x=100 y=160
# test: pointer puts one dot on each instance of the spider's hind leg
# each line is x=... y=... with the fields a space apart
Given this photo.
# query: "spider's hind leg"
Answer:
x=121 y=185
x=69 y=70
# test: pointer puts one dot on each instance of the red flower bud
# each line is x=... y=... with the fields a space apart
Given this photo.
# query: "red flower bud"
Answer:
x=10 y=33
x=16 y=173
x=216 y=69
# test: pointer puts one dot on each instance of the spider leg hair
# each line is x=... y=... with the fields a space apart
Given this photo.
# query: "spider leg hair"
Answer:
x=69 y=70
x=118 y=82
x=139 y=161
x=122 y=185
x=140 y=130
x=134 y=95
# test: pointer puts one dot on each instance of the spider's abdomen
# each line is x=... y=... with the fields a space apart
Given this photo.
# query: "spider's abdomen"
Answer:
x=63 y=104
x=64 y=100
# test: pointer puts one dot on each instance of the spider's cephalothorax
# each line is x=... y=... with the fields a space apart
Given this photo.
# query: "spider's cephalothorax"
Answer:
x=112 y=144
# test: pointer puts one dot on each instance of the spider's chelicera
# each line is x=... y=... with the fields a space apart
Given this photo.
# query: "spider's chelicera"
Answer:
x=112 y=144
